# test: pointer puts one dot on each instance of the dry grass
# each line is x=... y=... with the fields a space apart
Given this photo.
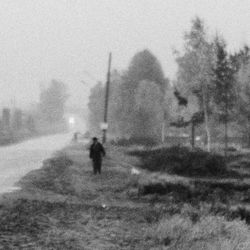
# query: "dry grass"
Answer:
x=106 y=212
x=180 y=232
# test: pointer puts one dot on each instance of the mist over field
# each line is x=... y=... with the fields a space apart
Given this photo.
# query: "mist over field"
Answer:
x=44 y=40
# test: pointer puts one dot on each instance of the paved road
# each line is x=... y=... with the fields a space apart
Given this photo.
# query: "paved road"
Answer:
x=17 y=160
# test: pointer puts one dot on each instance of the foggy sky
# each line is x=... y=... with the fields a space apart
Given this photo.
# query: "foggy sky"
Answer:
x=45 y=39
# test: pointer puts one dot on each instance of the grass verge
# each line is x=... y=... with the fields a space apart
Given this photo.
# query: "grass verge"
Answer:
x=63 y=206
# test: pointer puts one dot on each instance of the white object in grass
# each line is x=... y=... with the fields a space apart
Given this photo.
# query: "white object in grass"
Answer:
x=135 y=171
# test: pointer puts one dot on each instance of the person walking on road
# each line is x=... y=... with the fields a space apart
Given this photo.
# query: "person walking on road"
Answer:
x=96 y=153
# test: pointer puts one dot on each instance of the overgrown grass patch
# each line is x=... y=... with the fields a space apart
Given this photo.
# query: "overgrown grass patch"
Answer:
x=196 y=190
x=52 y=176
x=182 y=161
x=206 y=232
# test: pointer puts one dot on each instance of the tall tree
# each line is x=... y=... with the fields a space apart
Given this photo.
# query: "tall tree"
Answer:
x=126 y=112
x=240 y=58
x=243 y=101
x=148 y=110
x=165 y=109
x=195 y=66
x=115 y=103
x=144 y=67
x=52 y=101
x=96 y=108
x=224 y=91
x=239 y=62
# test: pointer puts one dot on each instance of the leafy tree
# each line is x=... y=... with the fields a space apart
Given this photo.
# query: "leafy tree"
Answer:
x=244 y=100
x=194 y=76
x=187 y=115
x=148 y=110
x=224 y=91
x=240 y=58
x=239 y=62
x=52 y=101
x=144 y=67
x=30 y=124
x=96 y=108
x=126 y=115
x=165 y=100
x=114 y=116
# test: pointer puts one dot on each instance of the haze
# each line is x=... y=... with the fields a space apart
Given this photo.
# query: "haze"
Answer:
x=55 y=39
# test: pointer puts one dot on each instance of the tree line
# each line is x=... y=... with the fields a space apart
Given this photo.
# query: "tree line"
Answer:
x=210 y=93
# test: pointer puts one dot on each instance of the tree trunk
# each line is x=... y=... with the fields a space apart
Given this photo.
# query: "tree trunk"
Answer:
x=226 y=125
x=226 y=137
x=163 y=132
x=205 y=109
x=192 y=134
x=163 y=126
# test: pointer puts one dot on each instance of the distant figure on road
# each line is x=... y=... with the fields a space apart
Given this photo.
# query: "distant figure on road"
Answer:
x=96 y=153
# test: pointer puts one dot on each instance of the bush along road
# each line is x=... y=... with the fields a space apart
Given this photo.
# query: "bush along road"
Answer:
x=64 y=206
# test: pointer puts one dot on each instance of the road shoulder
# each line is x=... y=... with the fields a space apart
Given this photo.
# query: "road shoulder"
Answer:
x=64 y=206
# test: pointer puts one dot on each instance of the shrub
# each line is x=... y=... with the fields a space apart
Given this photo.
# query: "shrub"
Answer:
x=179 y=189
x=144 y=141
x=182 y=161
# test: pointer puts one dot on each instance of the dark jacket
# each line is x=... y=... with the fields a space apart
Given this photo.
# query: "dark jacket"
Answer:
x=96 y=151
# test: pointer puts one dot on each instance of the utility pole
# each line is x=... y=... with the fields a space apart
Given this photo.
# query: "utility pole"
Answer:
x=105 y=120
